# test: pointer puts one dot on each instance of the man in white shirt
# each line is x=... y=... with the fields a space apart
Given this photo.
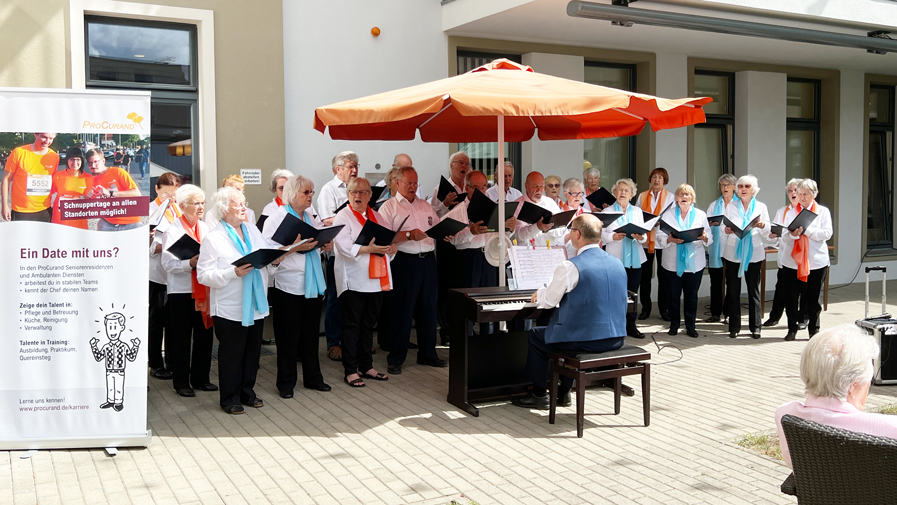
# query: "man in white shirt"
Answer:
x=414 y=274
x=540 y=232
x=332 y=196
x=511 y=193
x=449 y=262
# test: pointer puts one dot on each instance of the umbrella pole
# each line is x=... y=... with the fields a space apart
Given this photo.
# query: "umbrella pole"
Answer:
x=499 y=174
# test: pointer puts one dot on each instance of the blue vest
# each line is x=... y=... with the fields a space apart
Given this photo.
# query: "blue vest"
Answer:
x=596 y=308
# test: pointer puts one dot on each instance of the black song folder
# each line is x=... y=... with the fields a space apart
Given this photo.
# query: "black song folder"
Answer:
x=381 y=235
x=600 y=197
x=607 y=218
x=184 y=248
x=715 y=220
x=532 y=213
x=260 y=258
x=445 y=187
x=292 y=226
x=510 y=209
x=687 y=236
x=562 y=218
x=445 y=228
x=739 y=232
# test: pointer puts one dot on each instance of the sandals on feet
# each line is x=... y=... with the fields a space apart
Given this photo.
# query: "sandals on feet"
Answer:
x=335 y=353
x=355 y=383
x=255 y=403
x=379 y=376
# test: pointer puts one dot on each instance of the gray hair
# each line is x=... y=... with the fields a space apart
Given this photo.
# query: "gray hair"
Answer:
x=294 y=185
x=221 y=200
x=393 y=172
x=452 y=157
x=187 y=192
x=591 y=171
x=749 y=179
x=726 y=178
x=793 y=183
x=401 y=171
x=279 y=174
x=571 y=183
x=509 y=164
x=627 y=181
x=343 y=157
x=354 y=183
x=809 y=186
x=835 y=359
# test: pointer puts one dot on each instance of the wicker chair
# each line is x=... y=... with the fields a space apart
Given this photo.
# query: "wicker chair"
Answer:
x=835 y=466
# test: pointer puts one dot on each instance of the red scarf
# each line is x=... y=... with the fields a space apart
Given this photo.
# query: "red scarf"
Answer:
x=200 y=293
x=172 y=212
x=646 y=206
x=279 y=201
x=377 y=266
x=801 y=250
x=565 y=208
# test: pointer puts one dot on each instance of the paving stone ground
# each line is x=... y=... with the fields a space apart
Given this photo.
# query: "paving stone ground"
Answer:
x=399 y=442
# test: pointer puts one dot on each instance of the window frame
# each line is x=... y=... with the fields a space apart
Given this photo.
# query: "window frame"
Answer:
x=884 y=129
x=633 y=87
x=814 y=125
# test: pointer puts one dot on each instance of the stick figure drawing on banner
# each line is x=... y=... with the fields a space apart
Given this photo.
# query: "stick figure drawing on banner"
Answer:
x=116 y=354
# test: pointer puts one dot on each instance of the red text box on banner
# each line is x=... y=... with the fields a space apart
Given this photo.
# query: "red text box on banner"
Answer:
x=125 y=206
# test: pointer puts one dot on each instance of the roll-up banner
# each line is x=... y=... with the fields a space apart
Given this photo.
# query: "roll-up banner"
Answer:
x=74 y=314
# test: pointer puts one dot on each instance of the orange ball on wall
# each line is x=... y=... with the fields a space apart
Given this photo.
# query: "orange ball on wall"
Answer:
x=375 y=31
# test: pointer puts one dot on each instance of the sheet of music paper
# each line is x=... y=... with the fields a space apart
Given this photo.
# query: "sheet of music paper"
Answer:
x=534 y=267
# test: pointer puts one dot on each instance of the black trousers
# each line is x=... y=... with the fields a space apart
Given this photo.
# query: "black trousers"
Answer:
x=785 y=292
x=645 y=287
x=43 y=216
x=158 y=318
x=239 y=348
x=809 y=300
x=413 y=295
x=333 y=323
x=296 y=324
x=686 y=286
x=449 y=276
x=539 y=351
x=733 y=296
x=383 y=321
x=717 y=291
x=633 y=278
x=185 y=326
x=359 y=311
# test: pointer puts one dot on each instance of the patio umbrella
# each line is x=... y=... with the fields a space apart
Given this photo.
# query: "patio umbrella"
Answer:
x=504 y=101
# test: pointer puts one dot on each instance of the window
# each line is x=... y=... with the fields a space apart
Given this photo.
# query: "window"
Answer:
x=484 y=155
x=713 y=140
x=614 y=157
x=802 y=135
x=159 y=57
x=880 y=203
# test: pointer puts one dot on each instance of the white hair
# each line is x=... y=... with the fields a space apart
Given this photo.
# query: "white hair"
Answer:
x=836 y=359
x=793 y=183
x=591 y=171
x=221 y=200
x=808 y=186
x=726 y=178
x=343 y=157
x=572 y=183
x=187 y=192
x=278 y=174
x=294 y=185
x=627 y=181
x=749 y=179
x=452 y=157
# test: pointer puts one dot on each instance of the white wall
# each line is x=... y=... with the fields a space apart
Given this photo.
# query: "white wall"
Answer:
x=559 y=157
x=760 y=129
x=330 y=56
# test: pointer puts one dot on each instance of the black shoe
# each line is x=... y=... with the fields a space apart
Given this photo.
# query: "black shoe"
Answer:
x=185 y=392
x=691 y=333
x=645 y=314
x=712 y=319
x=106 y=405
x=319 y=387
x=665 y=315
x=118 y=407
x=255 y=403
x=208 y=387
x=755 y=336
x=394 y=369
x=638 y=334
x=565 y=400
x=233 y=409
x=161 y=373
x=790 y=336
x=286 y=394
x=268 y=342
x=771 y=322
x=445 y=341
x=412 y=345
x=438 y=363
x=733 y=334
x=531 y=401
x=673 y=331
x=802 y=325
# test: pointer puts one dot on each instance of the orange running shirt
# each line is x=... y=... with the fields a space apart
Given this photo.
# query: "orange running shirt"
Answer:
x=31 y=178
x=67 y=186
x=122 y=182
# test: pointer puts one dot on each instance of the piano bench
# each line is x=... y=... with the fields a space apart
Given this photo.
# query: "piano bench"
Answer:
x=588 y=368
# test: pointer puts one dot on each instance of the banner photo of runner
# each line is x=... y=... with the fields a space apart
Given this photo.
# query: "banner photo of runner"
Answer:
x=75 y=241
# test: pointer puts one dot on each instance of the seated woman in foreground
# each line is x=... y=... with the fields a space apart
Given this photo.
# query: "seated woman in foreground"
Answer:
x=837 y=370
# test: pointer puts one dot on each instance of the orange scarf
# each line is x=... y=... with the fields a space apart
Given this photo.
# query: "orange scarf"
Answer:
x=646 y=206
x=565 y=208
x=800 y=253
x=279 y=201
x=200 y=293
x=377 y=266
x=172 y=212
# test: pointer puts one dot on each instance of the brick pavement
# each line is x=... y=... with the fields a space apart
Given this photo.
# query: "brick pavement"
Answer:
x=399 y=442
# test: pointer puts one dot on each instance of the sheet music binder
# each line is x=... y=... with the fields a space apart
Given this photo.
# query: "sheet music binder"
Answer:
x=184 y=248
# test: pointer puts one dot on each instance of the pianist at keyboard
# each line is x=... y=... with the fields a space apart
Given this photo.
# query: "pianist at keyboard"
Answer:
x=591 y=290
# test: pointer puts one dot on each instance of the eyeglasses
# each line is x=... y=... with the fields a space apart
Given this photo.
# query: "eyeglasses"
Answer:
x=308 y=192
x=462 y=163
x=576 y=194
x=553 y=185
x=200 y=204
x=360 y=192
x=241 y=205
x=411 y=184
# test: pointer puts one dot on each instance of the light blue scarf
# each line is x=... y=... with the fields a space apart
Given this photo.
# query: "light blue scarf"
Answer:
x=685 y=253
x=745 y=248
x=716 y=260
x=315 y=285
x=253 y=288
x=631 y=247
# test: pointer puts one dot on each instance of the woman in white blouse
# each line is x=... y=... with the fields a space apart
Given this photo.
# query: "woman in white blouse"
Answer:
x=806 y=260
x=188 y=300
x=297 y=292
x=726 y=184
x=684 y=263
x=626 y=249
x=362 y=276
x=166 y=185
x=238 y=299
x=742 y=256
